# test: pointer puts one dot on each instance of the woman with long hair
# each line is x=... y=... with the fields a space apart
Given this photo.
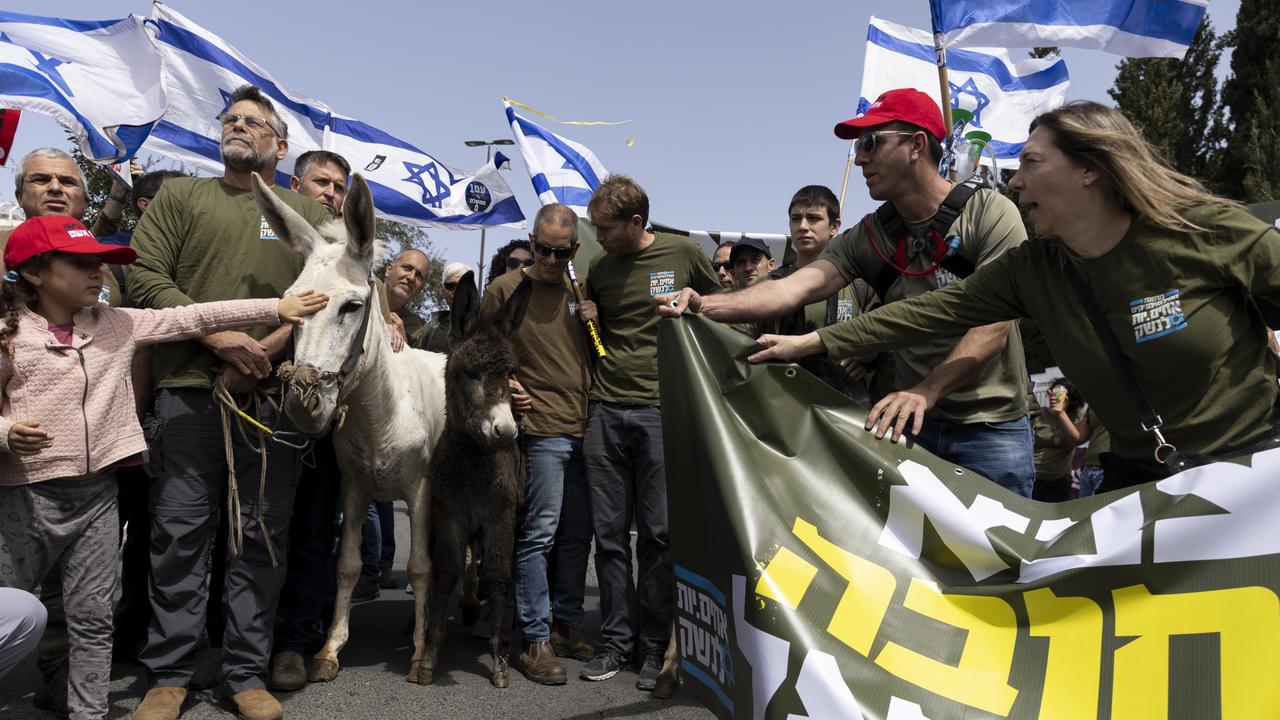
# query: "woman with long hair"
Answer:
x=1177 y=273
x=512 y=256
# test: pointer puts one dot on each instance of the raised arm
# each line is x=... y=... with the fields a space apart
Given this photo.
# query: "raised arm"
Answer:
x=762 y=301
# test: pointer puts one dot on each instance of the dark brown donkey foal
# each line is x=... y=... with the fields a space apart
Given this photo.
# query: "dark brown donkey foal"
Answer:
x=476 y=471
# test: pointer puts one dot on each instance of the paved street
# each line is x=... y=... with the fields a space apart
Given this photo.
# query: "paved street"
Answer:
x=372 y=685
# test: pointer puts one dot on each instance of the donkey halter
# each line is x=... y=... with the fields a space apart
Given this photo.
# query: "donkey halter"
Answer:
x=305 y=380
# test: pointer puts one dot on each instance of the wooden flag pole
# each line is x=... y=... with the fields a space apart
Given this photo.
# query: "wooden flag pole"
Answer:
x=848 y=165
x=944 y=86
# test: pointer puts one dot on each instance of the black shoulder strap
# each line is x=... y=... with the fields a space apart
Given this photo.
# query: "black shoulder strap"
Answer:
x=1147 y=415
x=948 y=212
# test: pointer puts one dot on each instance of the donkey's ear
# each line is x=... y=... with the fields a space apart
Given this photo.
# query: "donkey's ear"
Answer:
x=357 y=213
x=292 y=229
x=513 y=313
x=466 y=308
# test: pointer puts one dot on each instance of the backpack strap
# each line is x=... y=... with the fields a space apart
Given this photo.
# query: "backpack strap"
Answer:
x=896 y=229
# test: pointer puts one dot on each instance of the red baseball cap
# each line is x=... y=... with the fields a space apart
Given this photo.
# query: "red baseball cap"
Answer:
x=62 y=233
x=903 y=104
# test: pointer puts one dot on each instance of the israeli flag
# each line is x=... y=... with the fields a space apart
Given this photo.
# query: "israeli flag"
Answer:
x=1003 y=94
x=562 y=171
x=1134 y=28
x=409 y=186
x=99 y=78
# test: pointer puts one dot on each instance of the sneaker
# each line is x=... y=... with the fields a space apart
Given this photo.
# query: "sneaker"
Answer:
x=538 y=663
x=365 y=591
x=649 y=670
x=602 y=667
x=569 y=641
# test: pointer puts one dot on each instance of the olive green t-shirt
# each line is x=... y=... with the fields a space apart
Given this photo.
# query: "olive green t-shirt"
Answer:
x=1178 y=302
x=1099 y=441
x=1052 y=453
x=988 y=225
x=202 y=240
x=553 y=350
x=623 y=288
x=414 y=326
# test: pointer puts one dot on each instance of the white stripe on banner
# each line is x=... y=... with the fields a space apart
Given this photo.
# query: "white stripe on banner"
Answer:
x=560 y=169
x=99 y=78
x=408 y=185
x=1004 y=94
x=1134 y=28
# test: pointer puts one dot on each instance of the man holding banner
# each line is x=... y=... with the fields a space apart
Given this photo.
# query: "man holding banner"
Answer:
x=963 y=396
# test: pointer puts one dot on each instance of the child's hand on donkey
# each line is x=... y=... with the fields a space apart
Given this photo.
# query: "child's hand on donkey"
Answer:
x=295 y=307
x=26 y=438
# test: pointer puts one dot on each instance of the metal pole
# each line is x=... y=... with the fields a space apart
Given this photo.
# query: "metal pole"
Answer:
x=488 y=155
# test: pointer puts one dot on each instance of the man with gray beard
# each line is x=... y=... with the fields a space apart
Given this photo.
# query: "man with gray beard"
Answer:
x=204 y=239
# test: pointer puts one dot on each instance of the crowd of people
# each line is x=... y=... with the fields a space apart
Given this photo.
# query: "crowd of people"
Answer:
x=1144 y=285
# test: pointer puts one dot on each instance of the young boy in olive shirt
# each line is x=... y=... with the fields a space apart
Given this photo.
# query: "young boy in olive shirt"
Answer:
x=623 y=444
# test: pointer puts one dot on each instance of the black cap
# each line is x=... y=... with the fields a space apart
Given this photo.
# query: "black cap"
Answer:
x=752 y=244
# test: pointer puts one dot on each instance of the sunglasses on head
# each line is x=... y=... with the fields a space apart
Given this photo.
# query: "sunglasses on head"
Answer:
x=867 y=142
x=561 y=253
x=513 y=263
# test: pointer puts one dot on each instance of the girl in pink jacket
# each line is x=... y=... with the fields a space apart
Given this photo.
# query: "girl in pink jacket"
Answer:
x=67 y=421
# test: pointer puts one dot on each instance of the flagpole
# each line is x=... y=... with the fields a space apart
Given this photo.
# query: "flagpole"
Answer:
x=848 y=165
x=944 y=86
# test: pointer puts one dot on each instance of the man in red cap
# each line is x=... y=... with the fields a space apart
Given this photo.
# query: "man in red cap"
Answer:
x=963 y=397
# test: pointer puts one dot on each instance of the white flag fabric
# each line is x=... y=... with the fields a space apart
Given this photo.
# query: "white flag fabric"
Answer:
x=1134 y=28
x=408 y=185
x=1003 y=94
x=99 y=78
x=561 y=170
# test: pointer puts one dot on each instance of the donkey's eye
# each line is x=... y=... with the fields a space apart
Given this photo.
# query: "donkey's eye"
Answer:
x=350 y=306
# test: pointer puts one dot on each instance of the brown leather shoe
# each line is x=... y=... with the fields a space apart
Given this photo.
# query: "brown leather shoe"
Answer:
x=570 y=641
x=161 y=703
x=538 y=663
x=257 y=704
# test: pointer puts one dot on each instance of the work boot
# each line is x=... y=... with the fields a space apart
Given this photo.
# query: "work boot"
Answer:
x=257 y=704
x=208 y=672
x=288 y=672
x=569 y=641
x=538 y=663
x=161 y=703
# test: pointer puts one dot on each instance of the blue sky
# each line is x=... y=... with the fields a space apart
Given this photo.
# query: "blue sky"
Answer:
x=734 y=102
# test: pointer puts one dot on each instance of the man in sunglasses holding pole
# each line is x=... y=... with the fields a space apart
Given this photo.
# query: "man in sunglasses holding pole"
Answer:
x=962 y=397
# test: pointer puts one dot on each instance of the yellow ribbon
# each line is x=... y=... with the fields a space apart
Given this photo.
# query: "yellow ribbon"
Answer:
x=630 y=140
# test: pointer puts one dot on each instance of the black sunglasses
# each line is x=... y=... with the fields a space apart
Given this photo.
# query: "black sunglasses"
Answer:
x=867 y=142
x=513 y=263
x=561 y=253
x=719 y=265
x=451 y=286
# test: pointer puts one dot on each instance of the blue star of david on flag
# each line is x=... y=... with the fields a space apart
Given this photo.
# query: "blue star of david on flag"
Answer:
x=970 y=89
x=46 y=65
x=429 y=196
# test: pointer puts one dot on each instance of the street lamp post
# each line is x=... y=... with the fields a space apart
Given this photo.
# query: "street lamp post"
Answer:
x=488 y=155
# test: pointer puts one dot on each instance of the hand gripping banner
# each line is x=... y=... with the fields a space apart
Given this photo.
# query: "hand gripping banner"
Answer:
x=821 y=573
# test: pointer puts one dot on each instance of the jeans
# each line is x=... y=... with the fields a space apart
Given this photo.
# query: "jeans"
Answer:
x=627 y=479
x=1090 y=479
x=378 y=541
x=555 y=471
x=1001 y=452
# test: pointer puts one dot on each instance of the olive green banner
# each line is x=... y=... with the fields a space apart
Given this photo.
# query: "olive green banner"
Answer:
x=821 y=573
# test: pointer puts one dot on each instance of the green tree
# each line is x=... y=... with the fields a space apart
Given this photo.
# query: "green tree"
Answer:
x=1175 y=104
x=400 y=237
x=98 y=181
x=1251 y=97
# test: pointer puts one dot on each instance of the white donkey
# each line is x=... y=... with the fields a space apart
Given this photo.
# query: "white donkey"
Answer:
x=389 y=407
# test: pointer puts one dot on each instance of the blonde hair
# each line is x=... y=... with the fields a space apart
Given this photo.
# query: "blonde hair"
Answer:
x=1102 y=139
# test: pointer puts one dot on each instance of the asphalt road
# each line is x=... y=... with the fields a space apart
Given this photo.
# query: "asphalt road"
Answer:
x=372 y=685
